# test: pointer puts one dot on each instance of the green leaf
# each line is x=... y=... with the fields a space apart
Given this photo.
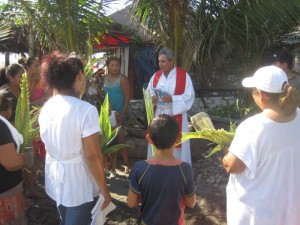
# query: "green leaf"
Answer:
x=214 y=151
x=149 y=112
x=107 y=135
x=105 y=125
x=114 y=148
x=25 y=120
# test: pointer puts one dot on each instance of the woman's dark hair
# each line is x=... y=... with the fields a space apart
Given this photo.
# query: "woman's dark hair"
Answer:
x=26 y=62
x=11 y=70
x=59 y=71
x=5 y=103
x=163 y=131
x=112 y=58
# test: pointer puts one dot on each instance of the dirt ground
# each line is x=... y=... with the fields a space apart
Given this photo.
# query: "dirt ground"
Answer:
x=209 y=210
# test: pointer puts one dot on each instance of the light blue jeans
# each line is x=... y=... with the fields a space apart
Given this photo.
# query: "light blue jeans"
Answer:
x=78 y=215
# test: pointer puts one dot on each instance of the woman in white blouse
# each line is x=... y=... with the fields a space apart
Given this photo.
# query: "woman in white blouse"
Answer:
x=69 y=127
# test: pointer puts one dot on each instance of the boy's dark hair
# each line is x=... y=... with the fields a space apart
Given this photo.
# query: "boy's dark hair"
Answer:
x=284 y=56
x=163 y=131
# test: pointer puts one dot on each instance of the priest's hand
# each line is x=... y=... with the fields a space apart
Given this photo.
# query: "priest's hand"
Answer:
x=154 y=99
x=166 y=98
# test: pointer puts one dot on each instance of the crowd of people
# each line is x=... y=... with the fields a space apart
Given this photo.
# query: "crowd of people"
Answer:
x=262 y=159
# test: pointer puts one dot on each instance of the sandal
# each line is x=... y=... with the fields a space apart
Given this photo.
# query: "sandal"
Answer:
x=126 y=170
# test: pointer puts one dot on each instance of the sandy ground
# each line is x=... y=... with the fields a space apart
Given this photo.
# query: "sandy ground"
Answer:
x=209 y=209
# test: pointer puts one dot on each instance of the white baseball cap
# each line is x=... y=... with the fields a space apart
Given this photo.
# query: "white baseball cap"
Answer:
x=270 y=79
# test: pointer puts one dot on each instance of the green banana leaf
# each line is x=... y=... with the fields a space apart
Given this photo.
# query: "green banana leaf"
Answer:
x=107 y=135
x=114 y=148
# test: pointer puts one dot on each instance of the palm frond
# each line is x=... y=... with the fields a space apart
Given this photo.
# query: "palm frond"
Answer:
x=65 y=25
x=149 y=112
x=24 y=120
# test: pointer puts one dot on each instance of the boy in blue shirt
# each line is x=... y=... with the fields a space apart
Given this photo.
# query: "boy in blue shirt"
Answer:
x=163 y=184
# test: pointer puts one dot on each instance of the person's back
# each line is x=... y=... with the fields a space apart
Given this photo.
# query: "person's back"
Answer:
x=163 y=184
x=270 y=183
x=263 y=158
x=162 y=188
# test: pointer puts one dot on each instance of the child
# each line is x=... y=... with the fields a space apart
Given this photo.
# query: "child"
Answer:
x=163 y=184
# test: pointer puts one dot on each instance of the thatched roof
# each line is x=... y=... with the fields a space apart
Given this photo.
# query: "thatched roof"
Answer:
x=15 y=44
x=126 y=18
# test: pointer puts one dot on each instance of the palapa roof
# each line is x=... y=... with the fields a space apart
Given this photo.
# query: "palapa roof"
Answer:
x=126 y=18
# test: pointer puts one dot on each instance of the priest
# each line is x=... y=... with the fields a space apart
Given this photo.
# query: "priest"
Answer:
x=172 y=93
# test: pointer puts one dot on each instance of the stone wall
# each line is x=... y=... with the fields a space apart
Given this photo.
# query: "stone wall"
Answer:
x=136 y=107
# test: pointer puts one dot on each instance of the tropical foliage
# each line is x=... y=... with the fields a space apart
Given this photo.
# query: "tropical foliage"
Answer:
x=107 y=133
x=203 y=33
x=59 y=25
x=25 y=121
x=221 y=137
x=149 y=112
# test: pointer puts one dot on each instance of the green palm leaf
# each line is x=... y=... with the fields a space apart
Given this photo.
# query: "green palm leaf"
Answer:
x=107 y=135
x=149 y=112
x=24 y=120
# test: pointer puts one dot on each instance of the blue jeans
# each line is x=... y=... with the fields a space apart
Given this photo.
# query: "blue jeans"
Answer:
x=77 y=215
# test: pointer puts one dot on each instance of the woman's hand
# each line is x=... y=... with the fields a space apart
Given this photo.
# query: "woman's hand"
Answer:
x=107 y=198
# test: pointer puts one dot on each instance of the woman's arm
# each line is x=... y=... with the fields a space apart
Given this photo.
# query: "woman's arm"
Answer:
x=126 y=91
x=233 y=164
x=10 y=159
x=94 y=159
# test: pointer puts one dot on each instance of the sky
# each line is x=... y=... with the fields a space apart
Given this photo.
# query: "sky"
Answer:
x=117 y=6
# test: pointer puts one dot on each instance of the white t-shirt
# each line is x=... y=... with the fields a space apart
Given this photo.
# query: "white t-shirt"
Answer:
x=267 y=192
x=64 y=121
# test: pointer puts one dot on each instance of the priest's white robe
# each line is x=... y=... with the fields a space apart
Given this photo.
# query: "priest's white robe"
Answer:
x=180 y=105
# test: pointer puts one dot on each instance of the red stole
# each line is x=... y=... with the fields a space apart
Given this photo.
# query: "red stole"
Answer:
x=179 y=90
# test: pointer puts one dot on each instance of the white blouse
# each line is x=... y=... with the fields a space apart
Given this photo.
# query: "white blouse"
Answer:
x=64 y=121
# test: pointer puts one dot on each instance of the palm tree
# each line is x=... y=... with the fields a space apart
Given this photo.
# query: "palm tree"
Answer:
x=67 y=25
x=201 y=32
